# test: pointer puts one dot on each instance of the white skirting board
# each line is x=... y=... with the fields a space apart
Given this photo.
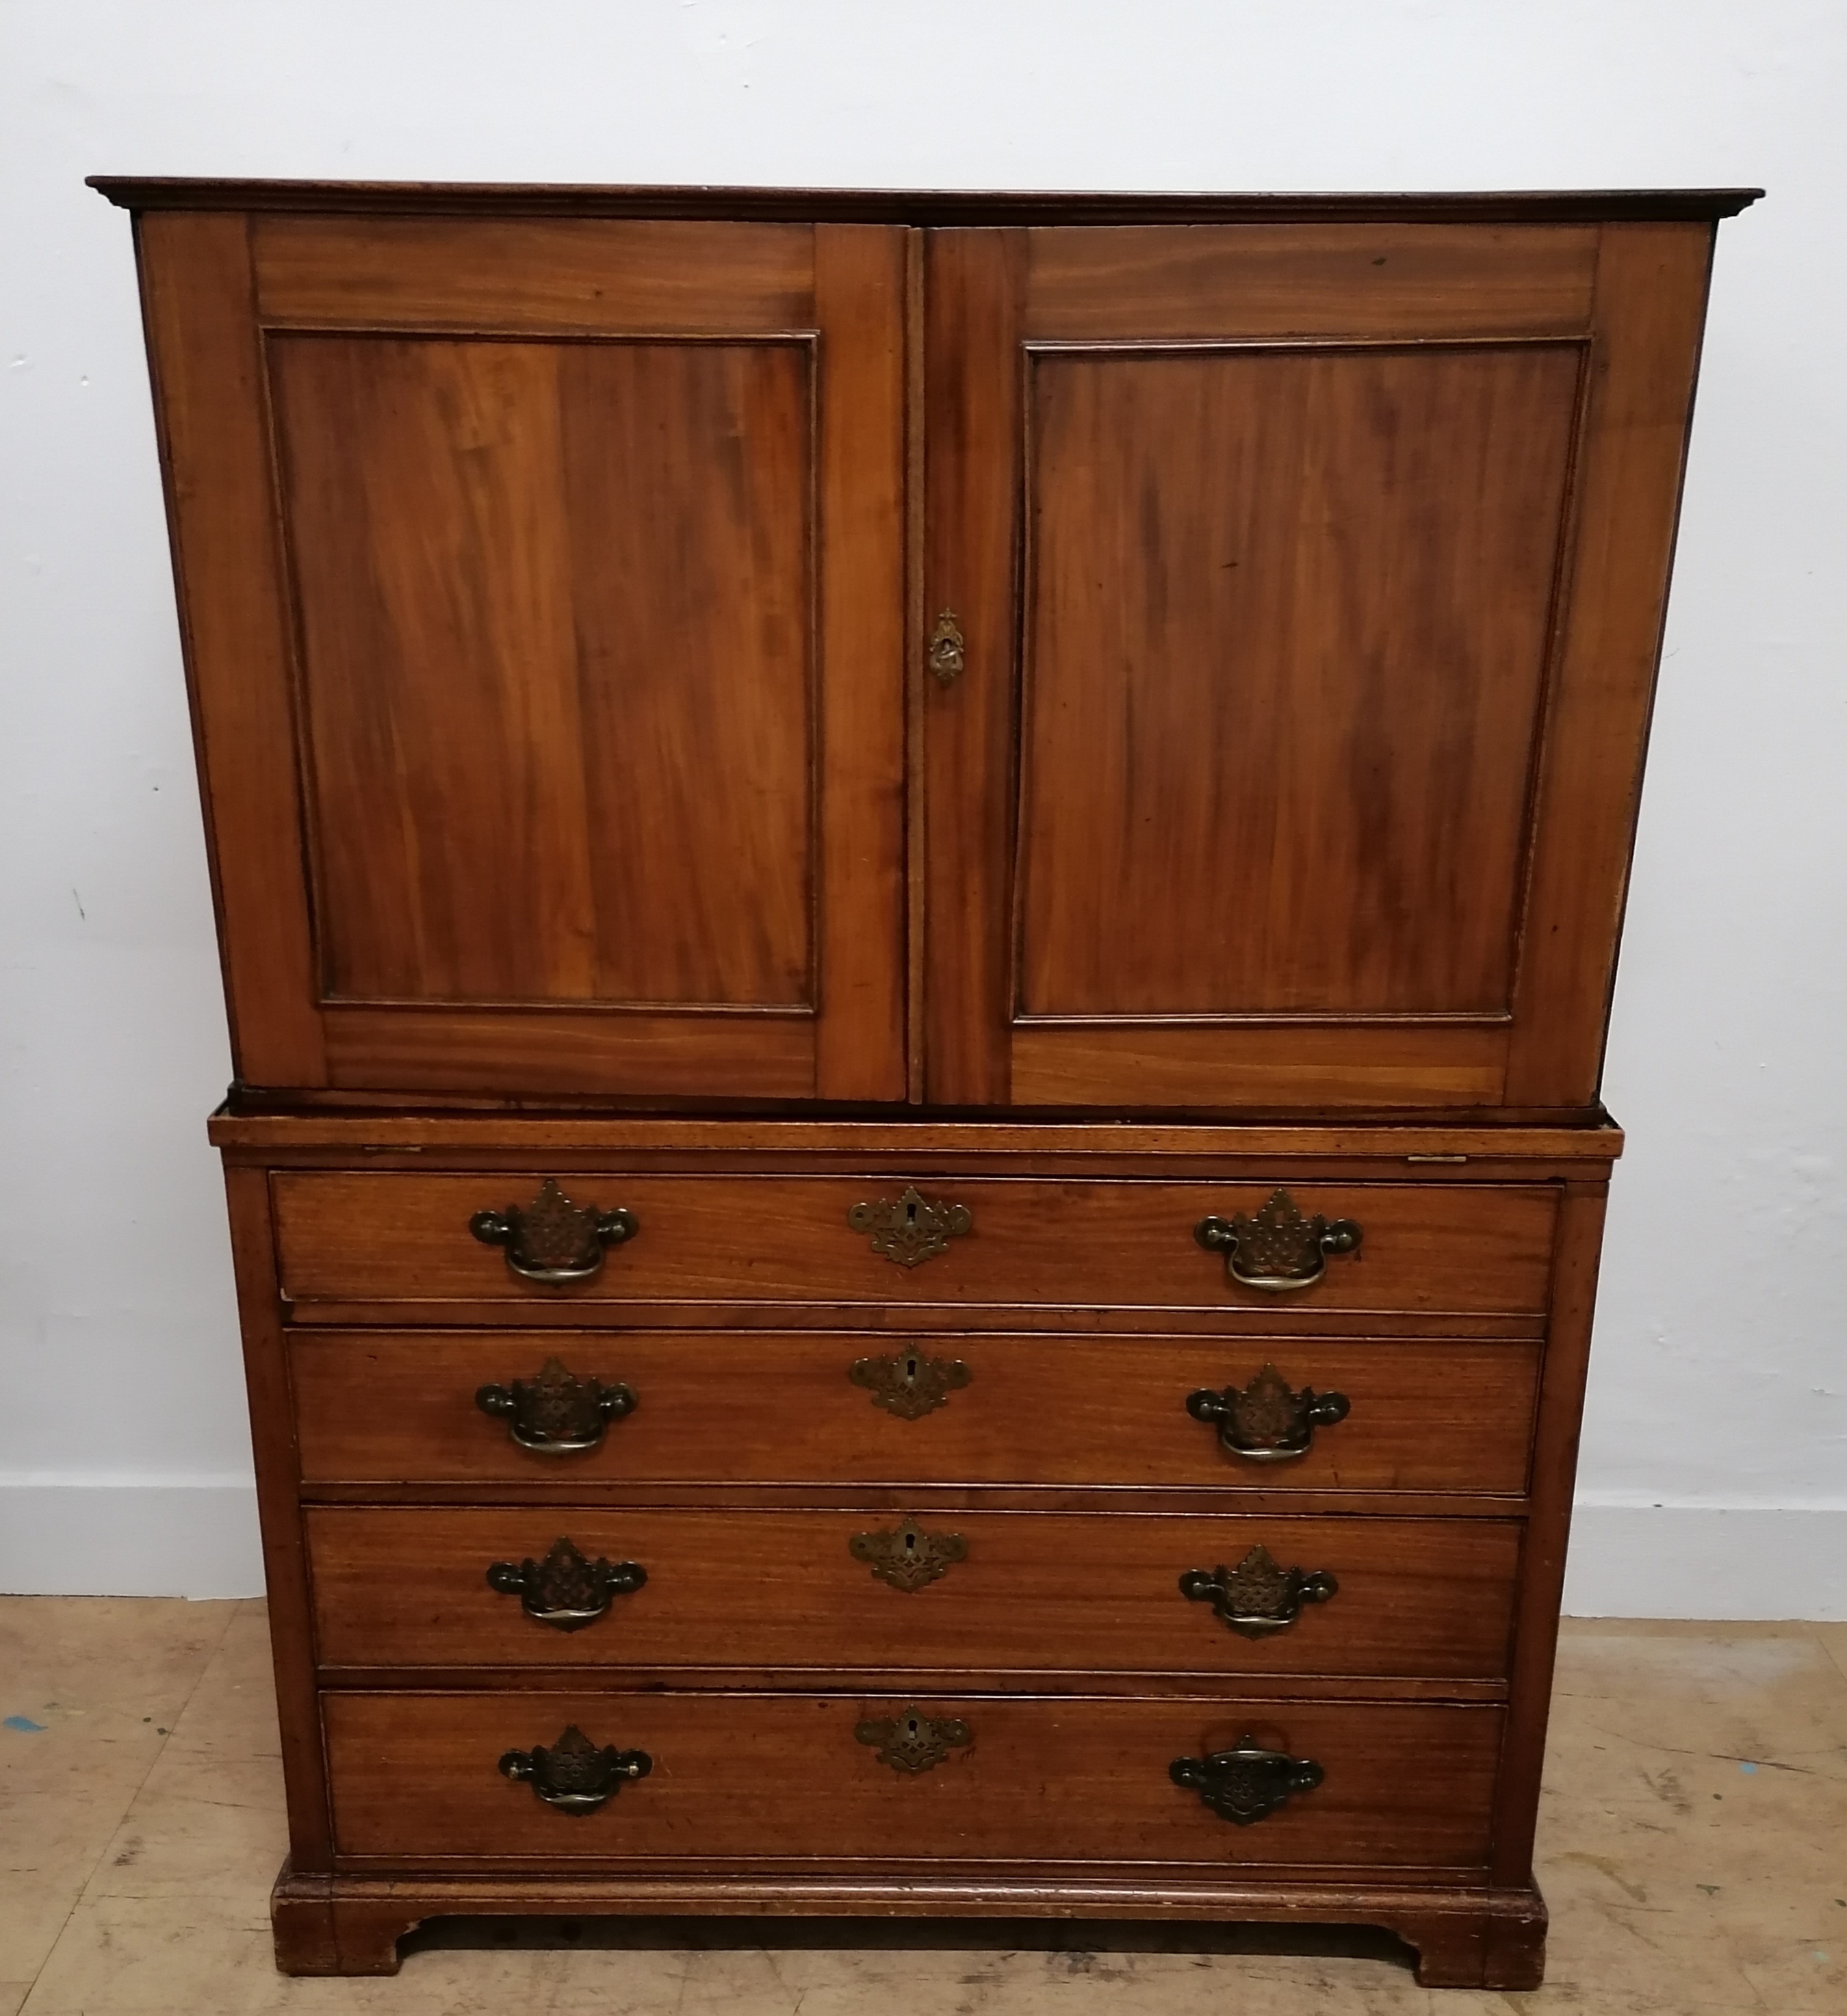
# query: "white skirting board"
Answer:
x=197 y=1537
x=1743 y=1562
x=192 y=1536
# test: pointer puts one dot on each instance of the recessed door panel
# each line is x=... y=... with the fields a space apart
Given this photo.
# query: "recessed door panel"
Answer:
x=1285 y=635
x=556 y=615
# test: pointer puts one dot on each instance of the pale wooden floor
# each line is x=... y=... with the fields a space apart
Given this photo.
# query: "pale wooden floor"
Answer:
x=1693 y=1846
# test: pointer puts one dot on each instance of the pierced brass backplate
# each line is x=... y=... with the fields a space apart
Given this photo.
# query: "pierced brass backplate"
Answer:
x=566 y=1589
x=906 y=1556
x=552 y=1240
x=912 y=1230
x=909 y=1385
x=575 y=1775
x=912 y=1742
x=1268 y=1421
x=1258 y=1596
x=1248 y=1784
x=556 y=1413
x=1277 y=1249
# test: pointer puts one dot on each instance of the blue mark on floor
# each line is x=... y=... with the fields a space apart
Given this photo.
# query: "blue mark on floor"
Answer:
x=24 y=1724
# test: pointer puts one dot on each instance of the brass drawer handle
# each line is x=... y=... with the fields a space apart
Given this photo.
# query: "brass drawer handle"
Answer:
x=1267 y=1422
x=913 y=1230
x=557 y=1413
x=906 y=1556
x=909 y=1385
x=912 y=1742
x=1278 y=1251
x=1257 y=1597
x=1247 y=1783
x=552 y=1240
x=574 y=1775
x=565 y=1590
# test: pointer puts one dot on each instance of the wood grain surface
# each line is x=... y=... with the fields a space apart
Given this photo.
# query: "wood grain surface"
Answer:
x=555 y=605
x=1031 y=1593
x=1425 y=1247
x=1286 y=629
x=733 y=1408
x=780 y=1780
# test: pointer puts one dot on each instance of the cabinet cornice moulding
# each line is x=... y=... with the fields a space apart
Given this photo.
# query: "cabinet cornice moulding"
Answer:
x=920 y=207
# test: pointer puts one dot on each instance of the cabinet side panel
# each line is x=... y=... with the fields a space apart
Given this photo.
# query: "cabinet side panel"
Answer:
x=1541 y=1569
x=1650 y=307
x=208 y=391
x=285 y=1555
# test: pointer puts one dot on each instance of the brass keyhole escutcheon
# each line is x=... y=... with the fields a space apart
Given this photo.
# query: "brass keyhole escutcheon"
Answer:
x=907 y=1557
x=913 y=1229
x=911 y=1741
x=910 y=1384
x=947 y=652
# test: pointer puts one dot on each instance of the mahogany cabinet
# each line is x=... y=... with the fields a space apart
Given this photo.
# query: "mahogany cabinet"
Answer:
x=918 y=896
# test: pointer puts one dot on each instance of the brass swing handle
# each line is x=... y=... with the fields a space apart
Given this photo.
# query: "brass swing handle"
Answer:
x=1277 y=1249
x=1246 y=1785
x=556 y=1413
x=1268 y=1421
x=565 y=1590
x=574 y=1775
x=553 y=1241
x=1258 y=1596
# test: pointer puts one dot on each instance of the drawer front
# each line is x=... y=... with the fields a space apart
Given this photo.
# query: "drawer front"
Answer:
x=1426 y=1249
x=770 y=1407
x=779 y=1779
x=990 y=1593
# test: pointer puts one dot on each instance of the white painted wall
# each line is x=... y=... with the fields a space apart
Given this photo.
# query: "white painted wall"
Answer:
x=1715 y=1475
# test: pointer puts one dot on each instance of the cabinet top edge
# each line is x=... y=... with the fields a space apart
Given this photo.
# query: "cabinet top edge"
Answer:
x=917 y=207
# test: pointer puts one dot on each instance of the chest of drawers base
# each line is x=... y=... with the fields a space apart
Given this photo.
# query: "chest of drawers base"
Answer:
x=1098 y=1523
x=1460 y=1938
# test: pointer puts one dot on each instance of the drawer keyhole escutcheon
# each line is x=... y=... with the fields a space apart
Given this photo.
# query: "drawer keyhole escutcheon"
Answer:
x=912 y=1229
x=906 y=1556
x=556 y=1413
x=1267 y=1421
x=1278 y=1250
x=574 y=1775
x=1248 y=1784
x=551 y=1240
x=1258 y=1596
x=909 y=1385
x=912 y=1742
x=566 y=1589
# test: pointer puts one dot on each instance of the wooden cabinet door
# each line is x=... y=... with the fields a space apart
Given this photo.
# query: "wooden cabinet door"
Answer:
x=544 y=589
x=1310 y=581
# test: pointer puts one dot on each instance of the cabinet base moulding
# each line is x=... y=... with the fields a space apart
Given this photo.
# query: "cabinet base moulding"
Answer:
x=1461 y=1937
